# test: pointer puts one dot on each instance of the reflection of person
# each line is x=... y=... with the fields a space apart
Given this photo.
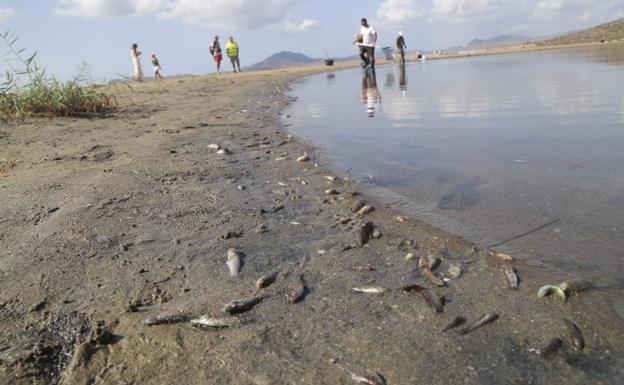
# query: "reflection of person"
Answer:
x=367 y=39
x=370 y=97
x=402 y=79
x=156 y=65
x=136 y=63
x=215 y=51
x=231 y=48
x=401 y=46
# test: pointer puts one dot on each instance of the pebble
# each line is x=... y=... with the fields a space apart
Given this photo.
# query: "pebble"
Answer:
x=224 y=151
x=214 y=146
x=304 y=158
x=331 y=191
x=410 y=257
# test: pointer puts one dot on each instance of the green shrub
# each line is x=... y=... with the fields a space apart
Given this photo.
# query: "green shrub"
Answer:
x=25 y=90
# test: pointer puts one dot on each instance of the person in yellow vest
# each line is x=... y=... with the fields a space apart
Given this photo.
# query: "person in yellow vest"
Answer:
x=232 y=51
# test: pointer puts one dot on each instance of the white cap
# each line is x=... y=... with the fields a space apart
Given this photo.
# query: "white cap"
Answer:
x=400 y=33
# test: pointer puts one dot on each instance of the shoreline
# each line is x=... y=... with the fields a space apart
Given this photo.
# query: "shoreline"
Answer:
x=111 y=221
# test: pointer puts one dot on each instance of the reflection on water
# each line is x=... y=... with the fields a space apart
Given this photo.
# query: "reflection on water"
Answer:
x=371 y=97
x=489 y=147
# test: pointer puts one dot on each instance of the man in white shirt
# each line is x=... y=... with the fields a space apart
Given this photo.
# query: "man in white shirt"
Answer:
x=367 y=39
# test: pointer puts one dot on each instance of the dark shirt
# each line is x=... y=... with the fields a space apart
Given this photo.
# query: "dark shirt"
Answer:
x=400 y=42
x=215 y=48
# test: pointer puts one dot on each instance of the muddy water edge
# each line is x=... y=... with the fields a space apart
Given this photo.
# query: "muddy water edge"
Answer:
x=109 y=221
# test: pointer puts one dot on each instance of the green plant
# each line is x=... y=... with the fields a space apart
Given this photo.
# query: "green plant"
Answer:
x=25 y=90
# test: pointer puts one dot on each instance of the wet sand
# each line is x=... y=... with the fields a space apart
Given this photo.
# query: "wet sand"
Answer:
x=108 y=221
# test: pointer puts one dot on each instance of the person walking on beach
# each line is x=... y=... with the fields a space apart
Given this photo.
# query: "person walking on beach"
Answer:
x=367 y=39
x=401 y=46
x=215 y=51
x=156 y=65
x=231 y=48
x=136 y=63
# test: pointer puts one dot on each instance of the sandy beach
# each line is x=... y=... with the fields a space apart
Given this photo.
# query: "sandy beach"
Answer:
x=112 y=220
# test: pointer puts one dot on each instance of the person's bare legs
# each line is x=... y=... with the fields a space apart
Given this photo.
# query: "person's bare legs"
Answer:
x=219 y=67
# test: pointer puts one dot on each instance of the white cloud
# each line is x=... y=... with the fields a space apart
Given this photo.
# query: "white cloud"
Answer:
x=6 y=13
x=305 y=26
x=231 y=13
x=396 y=12
x=508 y=14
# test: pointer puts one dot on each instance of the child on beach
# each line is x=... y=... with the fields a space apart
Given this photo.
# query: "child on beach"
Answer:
x=231 y=48
x=215 y=50
x=136 y=63
x=156 y=65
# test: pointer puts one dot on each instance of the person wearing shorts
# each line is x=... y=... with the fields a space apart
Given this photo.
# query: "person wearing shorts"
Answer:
x=215 y=50
x=156 y=65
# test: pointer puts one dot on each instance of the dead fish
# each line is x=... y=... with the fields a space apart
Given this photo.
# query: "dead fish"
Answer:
x=430 y=298
x=501 y=256
x=224 y=151
x=432 y=278
x=409 y=256
x=455 y=271
x=575 y=335
x=365 y=210
x=212 y=322
x=553 y=345
x=357 y=205
x=214 y=146
x=242 y=305
x=295 y=291
x=332 y=191
x=266 y=280
x=487 y=318
x=365 y=267
x=303 y=158
x=428 y=262
x=365 y=233
x=547 y=290
x=358 y=373
x=512 y=276
x=234 y=262
x=370 y=289
x=575 y=285
x=167 y=319
x=457 y=321
x=331 y=178
x=342 y=221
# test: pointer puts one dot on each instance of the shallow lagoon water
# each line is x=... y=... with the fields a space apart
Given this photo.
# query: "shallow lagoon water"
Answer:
x=524 y=152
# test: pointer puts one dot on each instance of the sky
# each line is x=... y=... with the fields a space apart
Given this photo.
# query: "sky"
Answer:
x=66 y=33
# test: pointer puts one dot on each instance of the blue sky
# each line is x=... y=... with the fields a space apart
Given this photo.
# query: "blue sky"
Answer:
x=100 y=32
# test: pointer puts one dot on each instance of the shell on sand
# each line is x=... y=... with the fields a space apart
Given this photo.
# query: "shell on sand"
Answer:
x=234 y=262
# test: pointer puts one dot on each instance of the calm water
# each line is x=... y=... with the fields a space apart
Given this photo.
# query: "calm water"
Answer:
x=527 y=148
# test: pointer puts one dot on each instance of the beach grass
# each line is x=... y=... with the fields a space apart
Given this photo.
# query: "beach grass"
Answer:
x=26 y=90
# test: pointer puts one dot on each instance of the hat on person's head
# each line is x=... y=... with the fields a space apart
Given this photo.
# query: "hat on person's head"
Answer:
x=400 y=33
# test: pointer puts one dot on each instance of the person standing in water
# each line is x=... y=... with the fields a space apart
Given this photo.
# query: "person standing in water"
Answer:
x=367 y=39
x=215 y=50
x=231 y=48
x=136 y=63
x=156 y=65
x=401 y=46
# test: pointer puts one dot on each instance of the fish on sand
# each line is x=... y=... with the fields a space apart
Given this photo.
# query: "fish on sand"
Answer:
x=359 y=374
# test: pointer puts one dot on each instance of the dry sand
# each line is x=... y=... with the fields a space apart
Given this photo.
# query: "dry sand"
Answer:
x=107 y=221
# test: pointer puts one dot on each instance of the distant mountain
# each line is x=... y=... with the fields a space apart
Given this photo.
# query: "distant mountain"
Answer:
x=611 y=31
x=495 y=42
x=283 y=59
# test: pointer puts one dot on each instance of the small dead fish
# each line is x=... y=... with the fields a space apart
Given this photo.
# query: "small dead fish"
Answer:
x=332 y=191
x=357 y=205
x=428 y=262
x=295 y=291
x=547 y=290
x=242 y=305
x=358 y=373
x=370 y=289
x=511 y=275
x=266 y=280
x=366 y=267
x=365 y=233
x=501 y=256
x=575 y=285
x=553 y=345
x=432 y=278
x=234 y=262
x=303 y=158
x=167 y=319
x=214 y=146
x=486 y=319
x=457 y=321
x=280 y=158
x=365 y=210
x=342 y=221
x=409 y=256
x=331 y=178
x=217 y=323
x=575 y=335
x=224 y=151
